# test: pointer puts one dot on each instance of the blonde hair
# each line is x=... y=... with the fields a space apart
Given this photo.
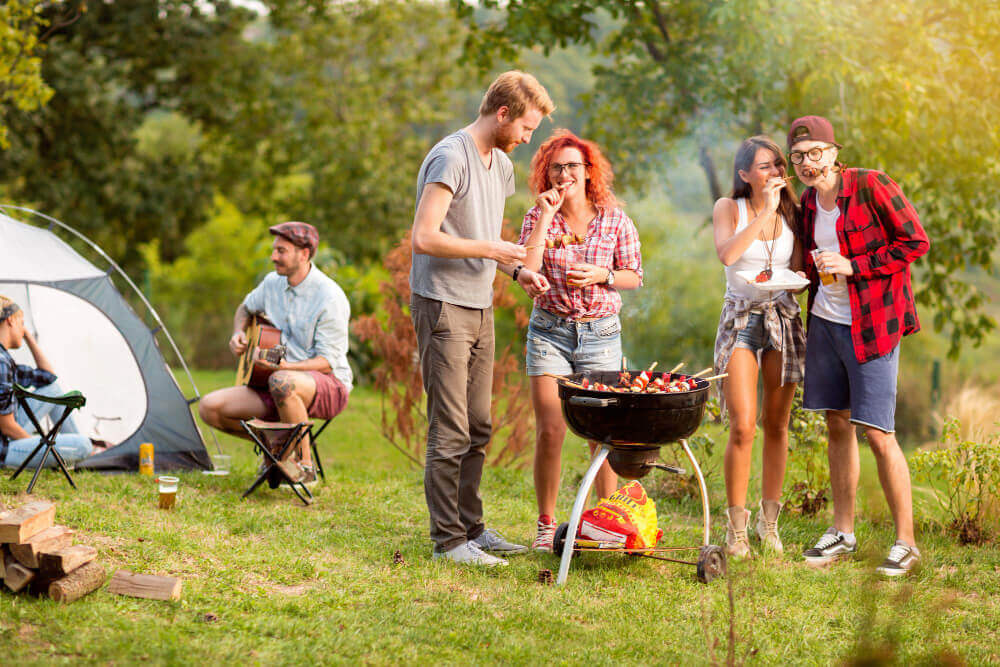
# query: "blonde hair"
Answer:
x=517 y=91
x=7 y=308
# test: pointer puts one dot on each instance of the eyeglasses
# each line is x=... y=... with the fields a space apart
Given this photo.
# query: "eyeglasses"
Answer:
x=556 y=168
x=814 y=154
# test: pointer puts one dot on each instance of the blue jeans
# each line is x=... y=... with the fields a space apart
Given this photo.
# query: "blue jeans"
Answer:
x=42 y=409
x=71 y=446
x=562 y=347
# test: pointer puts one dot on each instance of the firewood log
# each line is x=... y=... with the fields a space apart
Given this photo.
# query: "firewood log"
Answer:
x=47 y=541
x=83 y=580
x=19 y=525
x=59 y=563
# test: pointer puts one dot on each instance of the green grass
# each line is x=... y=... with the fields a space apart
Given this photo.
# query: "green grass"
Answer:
x=288 y=584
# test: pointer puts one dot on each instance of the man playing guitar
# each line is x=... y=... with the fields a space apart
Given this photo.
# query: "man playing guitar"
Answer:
x=312 y=312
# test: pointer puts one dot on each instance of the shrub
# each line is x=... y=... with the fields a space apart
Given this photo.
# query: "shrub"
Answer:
x=964 y=476
x=396 y=368
x=808 y=467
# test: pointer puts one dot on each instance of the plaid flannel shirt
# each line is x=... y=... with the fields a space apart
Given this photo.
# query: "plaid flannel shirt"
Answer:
x=26 y=376
x=782 y=329
x=880 y=233
x=612 y=243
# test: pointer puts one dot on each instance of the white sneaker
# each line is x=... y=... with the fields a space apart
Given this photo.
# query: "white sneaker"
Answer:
x=767 y=525
x=902 y=558
x=469 y=554
x=832 y=544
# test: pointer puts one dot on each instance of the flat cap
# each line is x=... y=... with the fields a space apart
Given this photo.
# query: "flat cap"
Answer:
x=300 y=234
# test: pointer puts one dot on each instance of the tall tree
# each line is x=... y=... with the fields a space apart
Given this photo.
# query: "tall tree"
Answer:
x=911 y=85
x=21 y=84
x=92 y=155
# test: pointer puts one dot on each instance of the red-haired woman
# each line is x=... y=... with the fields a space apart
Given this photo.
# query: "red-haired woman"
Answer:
x=581 y=240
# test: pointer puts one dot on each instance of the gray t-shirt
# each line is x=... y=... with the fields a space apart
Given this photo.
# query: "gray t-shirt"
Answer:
x=476 y=212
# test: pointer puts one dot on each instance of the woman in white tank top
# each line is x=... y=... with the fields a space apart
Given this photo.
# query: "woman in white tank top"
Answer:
x=760 y=333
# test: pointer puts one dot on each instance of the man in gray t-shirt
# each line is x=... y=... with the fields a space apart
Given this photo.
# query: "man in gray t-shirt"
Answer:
x=461 y=189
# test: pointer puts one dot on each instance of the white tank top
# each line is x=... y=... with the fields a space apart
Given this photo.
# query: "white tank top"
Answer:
x=755 y=258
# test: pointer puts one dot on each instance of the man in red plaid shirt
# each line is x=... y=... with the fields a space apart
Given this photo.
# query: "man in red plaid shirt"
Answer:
x=860 y=235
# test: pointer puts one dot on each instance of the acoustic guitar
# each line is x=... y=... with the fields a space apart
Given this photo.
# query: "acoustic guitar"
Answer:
x=263 y=344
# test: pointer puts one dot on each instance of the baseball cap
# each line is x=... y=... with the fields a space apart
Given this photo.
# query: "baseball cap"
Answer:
x=301 y=234
x=815 y=128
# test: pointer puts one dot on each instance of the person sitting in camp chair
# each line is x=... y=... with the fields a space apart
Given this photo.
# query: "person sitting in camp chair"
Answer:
x=312 y=312
x=16 y=443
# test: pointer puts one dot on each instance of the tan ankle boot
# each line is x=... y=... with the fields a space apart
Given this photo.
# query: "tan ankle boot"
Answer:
x=737 y=521
x=767 y=524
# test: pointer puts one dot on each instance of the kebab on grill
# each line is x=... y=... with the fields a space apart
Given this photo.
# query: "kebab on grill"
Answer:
x=644 y=383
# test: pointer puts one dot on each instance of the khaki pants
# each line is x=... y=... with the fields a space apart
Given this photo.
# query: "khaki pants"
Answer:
x=456 y=361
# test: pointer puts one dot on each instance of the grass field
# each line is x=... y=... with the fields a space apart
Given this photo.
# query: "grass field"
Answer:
x=267 y=581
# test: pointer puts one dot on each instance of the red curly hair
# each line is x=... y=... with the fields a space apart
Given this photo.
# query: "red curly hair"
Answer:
x=600 y=176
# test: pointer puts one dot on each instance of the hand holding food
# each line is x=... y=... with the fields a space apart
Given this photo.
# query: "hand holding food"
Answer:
x=506 y=253
x=550 y=201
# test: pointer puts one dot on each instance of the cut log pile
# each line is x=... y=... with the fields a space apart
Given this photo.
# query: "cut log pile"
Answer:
x=38 y=556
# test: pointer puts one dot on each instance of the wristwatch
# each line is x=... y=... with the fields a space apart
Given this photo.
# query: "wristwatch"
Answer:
x=610 y=279
x=516 y=271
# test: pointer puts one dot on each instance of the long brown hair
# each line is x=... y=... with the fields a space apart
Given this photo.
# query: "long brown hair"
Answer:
x=787 y=207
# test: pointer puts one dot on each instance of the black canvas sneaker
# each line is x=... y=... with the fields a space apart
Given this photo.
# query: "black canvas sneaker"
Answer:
x=902 y=558
x=832 y=545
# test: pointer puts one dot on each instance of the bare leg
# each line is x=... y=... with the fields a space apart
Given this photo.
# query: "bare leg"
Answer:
x=293 y=392
x=894 y=474
x=741 y=401
x=606 y=481
x=845 y=467
x=223 y=409
x=549 y=437
x=776 y=413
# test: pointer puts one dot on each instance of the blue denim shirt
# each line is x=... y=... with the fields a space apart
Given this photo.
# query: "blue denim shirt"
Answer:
x=313 y=317
x=26 y=376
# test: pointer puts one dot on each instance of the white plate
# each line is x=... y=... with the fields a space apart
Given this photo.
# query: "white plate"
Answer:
x=783 y=279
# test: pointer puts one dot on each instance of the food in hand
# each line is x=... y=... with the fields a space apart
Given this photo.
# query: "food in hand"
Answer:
x=564 y=240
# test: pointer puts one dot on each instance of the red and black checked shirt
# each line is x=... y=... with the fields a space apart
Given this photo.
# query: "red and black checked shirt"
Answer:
x=880 y=233
x=612 y=243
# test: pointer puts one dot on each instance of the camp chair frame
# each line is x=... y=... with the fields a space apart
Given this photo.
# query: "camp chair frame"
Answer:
x=313 y=437
x=70 y=401
x=272 y=462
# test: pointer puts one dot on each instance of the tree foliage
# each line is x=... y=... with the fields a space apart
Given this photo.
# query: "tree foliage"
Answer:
x=911 y=86
x=115 y=67
x=21 y=84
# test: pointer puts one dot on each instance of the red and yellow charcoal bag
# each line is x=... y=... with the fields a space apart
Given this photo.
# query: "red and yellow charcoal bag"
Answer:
x=628 y=518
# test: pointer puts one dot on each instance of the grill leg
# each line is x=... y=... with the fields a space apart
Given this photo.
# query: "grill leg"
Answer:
x=704 y=489
x=574 y=518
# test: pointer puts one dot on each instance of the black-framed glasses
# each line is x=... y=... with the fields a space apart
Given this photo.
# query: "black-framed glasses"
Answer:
x=557 y=168
x=814 y=154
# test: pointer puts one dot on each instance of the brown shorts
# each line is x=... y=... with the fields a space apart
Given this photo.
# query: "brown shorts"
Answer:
x=329 y=401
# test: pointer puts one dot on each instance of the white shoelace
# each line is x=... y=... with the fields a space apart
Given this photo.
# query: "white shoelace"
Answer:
x=546 y=532
x=898 y=552
x=828 y=540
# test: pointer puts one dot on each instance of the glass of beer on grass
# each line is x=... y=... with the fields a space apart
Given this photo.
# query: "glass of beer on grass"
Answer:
x=824 y=277
x=168 y=491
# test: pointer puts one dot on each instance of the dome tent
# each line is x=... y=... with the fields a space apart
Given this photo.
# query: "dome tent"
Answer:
x=98 y=345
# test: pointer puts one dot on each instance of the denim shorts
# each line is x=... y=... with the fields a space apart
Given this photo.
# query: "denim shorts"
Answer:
x=836 y=381
x=560 y=346
x=751 y=337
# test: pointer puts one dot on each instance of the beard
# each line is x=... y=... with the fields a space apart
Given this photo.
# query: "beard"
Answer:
x=505 y=138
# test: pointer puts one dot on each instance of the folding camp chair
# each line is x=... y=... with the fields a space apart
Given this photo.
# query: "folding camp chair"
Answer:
x=71 y=401
x=313 y=437
x=274 y=440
